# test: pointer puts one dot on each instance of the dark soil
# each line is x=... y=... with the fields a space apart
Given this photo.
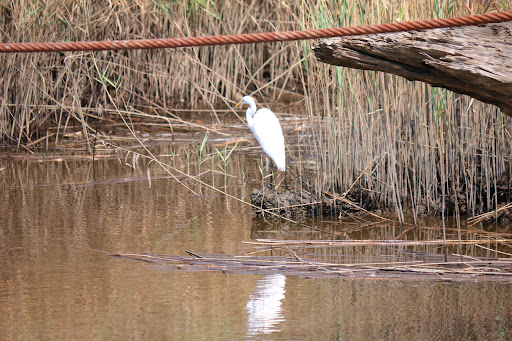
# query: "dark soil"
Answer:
x=359 y=200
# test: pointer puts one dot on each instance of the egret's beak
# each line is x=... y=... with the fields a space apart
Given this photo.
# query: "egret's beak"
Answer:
x=238 y=104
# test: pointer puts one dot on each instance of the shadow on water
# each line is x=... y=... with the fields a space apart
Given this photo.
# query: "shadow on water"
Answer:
x=55 y=283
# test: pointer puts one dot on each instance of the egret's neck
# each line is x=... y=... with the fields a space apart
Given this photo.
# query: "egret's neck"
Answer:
x=252 y=106
x=250 y=113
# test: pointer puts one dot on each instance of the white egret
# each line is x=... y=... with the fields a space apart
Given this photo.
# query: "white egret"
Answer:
x=267 y=130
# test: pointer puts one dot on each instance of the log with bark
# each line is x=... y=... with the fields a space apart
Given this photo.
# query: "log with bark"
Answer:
x=472 y=60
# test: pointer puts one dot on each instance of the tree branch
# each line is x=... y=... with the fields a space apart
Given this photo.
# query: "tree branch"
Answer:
x=472 y=60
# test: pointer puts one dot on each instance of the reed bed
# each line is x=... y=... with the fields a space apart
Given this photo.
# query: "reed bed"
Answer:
x=380 y=140
x=399 y=144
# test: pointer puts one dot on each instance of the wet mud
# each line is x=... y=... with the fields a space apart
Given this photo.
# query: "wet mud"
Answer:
x=360 y=200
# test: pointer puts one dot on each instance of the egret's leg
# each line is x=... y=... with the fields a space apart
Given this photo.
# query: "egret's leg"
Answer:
x=285 y=180
x=271 y=174
x=266 y=171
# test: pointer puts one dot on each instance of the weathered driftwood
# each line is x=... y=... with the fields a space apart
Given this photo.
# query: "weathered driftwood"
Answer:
x=473 y=60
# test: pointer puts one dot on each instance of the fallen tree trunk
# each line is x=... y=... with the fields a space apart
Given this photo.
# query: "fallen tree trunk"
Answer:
x=472 y=60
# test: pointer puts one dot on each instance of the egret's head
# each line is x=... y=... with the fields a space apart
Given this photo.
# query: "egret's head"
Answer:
x=246 y=100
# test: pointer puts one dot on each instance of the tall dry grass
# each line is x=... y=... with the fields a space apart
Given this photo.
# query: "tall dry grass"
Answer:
x=399 y=144
x=404 y=144
x=44 y=89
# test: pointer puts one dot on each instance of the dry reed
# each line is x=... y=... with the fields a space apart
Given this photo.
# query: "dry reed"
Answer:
x=408 y=145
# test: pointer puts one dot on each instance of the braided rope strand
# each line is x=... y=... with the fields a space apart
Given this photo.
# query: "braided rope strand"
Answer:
x=255 y=37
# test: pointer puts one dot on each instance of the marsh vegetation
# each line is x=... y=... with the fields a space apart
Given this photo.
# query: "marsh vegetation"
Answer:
x=140 y=154
x=384 y=142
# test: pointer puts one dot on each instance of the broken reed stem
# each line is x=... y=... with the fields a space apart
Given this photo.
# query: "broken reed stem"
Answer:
x=329 y=243
x=479 y=218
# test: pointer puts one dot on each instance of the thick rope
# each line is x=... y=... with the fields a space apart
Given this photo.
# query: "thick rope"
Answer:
x=256 y=37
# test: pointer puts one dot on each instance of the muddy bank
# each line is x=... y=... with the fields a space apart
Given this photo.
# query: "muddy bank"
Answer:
x=362 y=201
x=304 y=203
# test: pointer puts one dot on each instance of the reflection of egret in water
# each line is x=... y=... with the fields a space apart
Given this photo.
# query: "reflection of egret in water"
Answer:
x=264 y=306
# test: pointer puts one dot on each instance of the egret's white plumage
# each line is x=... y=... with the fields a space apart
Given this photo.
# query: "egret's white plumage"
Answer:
x=267 y=130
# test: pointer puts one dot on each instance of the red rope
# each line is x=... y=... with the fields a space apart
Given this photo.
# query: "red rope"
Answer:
x=256 y=37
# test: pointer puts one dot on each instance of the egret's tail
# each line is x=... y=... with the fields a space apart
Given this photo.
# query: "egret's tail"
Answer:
x=281 y=164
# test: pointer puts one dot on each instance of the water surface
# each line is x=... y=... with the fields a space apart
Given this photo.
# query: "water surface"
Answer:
x=58 y=217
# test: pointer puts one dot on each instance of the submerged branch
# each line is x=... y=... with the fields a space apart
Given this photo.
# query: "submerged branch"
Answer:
x=421 y=267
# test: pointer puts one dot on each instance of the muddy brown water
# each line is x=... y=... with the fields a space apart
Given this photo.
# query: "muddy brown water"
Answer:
x=55 y=283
